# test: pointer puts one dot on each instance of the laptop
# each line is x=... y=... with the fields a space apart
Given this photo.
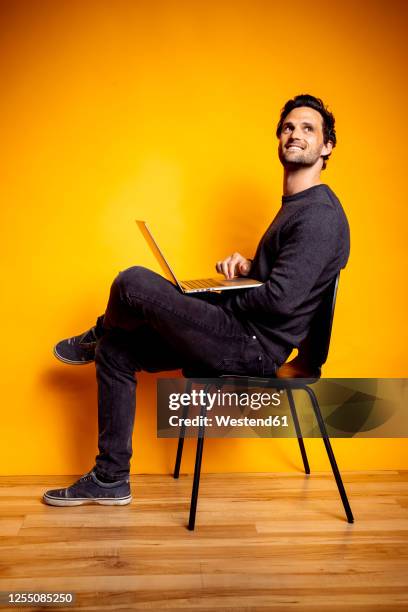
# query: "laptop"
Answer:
x=198 y=285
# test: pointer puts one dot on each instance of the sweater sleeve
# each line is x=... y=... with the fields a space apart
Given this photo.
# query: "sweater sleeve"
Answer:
x=309 y=244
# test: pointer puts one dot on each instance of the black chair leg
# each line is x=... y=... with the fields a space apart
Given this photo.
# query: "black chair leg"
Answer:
x=197 y=468
x=298 y=430
x=330 y=454
x=180 y=445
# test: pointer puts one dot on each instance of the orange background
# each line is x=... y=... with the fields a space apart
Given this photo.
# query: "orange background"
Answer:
x=167 y=110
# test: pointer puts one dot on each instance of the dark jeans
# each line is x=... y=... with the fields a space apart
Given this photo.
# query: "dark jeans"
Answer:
x=150 y=325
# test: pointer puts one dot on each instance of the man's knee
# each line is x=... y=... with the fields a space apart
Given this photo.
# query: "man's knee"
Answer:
x=135 y=278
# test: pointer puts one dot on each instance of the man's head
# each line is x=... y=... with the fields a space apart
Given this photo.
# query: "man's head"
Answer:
x=306 y=132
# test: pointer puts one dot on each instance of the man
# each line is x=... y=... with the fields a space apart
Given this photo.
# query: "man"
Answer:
x=150 y=325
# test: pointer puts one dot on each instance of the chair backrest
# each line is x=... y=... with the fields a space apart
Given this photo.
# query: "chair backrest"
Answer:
x=315 y=347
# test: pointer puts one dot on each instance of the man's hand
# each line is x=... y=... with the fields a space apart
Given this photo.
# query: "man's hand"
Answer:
x=234 y=265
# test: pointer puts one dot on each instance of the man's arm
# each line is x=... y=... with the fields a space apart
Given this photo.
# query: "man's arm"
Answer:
x=311 y=242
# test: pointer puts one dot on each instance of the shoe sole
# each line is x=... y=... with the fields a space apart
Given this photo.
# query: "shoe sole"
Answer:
x=107 y=501
x=70 y=361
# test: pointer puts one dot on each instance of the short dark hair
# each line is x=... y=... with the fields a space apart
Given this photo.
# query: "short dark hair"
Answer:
x=329 y=131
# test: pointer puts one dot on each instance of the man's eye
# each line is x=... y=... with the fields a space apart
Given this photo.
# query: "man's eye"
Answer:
x=308 y=128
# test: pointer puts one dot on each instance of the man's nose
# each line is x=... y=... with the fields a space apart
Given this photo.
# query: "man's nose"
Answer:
x=296 y=133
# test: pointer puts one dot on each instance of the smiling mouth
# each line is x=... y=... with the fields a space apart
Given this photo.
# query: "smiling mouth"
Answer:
x=297 y=147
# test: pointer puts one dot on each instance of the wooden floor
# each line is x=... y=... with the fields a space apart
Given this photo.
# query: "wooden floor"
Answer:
x=262 y=542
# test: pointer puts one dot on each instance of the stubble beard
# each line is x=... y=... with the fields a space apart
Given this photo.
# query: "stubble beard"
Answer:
x=302 y=159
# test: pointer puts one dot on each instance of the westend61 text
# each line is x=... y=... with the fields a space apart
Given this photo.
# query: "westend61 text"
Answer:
x=223 y=398
x=228 y=421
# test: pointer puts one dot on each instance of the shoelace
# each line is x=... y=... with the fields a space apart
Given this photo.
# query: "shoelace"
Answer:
x=89 y=337
x=83 y=478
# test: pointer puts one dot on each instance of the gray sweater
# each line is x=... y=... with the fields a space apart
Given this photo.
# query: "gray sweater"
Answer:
x=306 y=245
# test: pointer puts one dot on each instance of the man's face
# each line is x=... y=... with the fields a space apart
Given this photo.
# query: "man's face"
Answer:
x=301 y=141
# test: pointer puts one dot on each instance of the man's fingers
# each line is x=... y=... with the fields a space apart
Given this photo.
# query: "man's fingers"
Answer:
x=224 y=267
x=221 y=266
x=244 y=268
x=232 y=266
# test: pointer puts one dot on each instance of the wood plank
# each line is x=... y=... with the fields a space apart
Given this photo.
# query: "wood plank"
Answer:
x=262 y=542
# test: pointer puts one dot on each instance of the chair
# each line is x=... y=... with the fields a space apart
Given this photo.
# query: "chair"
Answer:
x=297 y=374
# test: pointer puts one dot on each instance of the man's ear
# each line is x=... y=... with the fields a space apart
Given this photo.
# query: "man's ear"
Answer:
x=327 y=148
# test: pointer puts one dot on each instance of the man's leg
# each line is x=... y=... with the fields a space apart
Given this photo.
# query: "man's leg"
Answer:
x=165 y=330
x=151 y=326
x=119 y=354
x=201 y=331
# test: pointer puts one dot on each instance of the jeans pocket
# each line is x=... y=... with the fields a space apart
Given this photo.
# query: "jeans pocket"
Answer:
x=252 y=367
x=248 y=360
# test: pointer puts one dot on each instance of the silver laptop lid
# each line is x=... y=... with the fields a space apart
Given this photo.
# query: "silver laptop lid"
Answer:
x=157 y=252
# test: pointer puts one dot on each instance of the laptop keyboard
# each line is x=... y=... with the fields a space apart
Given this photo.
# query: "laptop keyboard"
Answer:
x=202 y=283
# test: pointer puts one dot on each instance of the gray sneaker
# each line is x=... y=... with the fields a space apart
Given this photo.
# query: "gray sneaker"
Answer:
x=77 y=350
x=89 y=490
